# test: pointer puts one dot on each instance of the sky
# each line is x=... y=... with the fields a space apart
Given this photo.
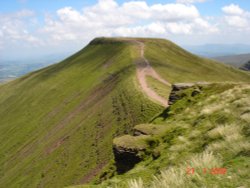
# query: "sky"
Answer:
x=29 y=28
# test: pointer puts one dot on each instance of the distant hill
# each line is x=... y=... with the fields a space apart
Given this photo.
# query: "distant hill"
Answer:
x=238 y=61
x=216 y=50
x=57 y=124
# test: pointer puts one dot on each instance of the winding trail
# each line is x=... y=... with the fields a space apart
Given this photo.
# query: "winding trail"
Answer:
x=144 y=69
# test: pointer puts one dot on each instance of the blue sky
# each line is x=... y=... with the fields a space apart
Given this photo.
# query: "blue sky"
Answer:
x=210 y=7
x=45 y=26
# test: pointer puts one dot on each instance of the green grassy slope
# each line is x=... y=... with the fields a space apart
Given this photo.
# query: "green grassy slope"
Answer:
x=177 y=65
x=57 y=124
x=203 y=141
x=160 y=88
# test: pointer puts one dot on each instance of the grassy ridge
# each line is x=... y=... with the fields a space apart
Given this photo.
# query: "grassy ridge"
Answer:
x=57 y=124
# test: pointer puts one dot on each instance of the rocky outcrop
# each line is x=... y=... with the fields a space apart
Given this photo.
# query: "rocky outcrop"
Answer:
x=176 y=88
x=125 y=158
x=128 y=151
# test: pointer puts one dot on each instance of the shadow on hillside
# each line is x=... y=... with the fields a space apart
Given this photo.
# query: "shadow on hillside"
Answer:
x=164 y=115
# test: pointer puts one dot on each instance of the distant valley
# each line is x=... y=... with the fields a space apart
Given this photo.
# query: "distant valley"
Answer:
x=10 y=70
x=13 y=68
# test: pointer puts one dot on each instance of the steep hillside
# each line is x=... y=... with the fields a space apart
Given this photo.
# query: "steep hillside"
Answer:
x=57 y=124
x=202 y=140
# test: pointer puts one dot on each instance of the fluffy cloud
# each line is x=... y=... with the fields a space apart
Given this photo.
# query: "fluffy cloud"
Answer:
x=108 y=18
x=135 y=18
x=137 y=9
x=236 y=17
x=174 y=12
x=237 y=21
x=233 y=9
x=144 y=31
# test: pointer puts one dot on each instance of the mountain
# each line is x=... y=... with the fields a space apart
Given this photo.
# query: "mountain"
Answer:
x=57 y=124
x=216 y=50
x=234 y=60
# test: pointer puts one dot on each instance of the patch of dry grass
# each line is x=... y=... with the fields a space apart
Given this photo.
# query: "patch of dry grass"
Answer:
x=135 y=183
x=176 y=176
x=232 y=139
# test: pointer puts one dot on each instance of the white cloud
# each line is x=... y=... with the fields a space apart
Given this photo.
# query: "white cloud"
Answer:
x=13 y=27
x=237 y=21
x=233 y=9
x=174 y=12
x=108 y=18
x=71 y=27
x=143 y=31
x=134 y=18
x=156 y=27
x=136 y=9
x=68 y=14
x=236 y=17
x=179 y=28
x=106 y=13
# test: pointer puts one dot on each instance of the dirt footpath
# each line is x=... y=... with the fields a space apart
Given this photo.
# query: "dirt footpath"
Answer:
x=144 y=69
